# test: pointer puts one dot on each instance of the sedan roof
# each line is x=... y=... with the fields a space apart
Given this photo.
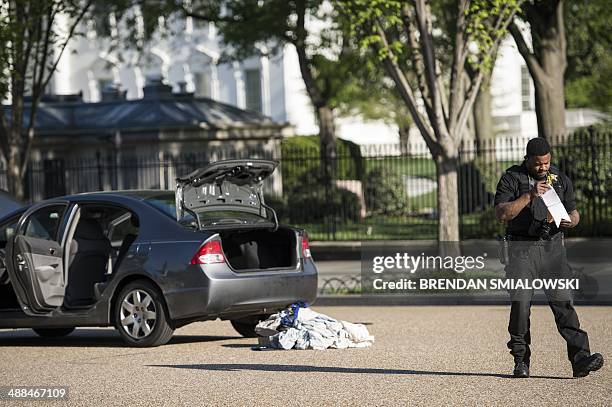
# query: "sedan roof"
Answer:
x=140 y=194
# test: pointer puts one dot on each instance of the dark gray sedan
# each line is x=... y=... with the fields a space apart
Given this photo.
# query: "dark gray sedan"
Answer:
x=148 y=262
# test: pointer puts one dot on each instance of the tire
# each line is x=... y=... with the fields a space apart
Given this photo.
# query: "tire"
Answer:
x=140 y=315
x=4 y=277
x=53 y=332
x=246 y=326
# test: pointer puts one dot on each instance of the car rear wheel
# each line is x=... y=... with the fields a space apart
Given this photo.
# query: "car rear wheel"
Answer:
x=140 y=315
x=246 y=326
x=53 y=332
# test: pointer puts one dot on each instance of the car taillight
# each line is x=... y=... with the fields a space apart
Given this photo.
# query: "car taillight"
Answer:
x=305 y=246
x=210 y=253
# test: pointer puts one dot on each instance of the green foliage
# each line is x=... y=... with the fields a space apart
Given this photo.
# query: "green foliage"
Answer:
x=279 y=204
x=301 y=159
x=589 y=63
x=482 y=225
x=481 y=17
x=311 y=204
x=373 y=95
x=481 y=29
x=385 y=193
x=586 y=160
x=263 y=27
x=308 y=199
x=592 y=91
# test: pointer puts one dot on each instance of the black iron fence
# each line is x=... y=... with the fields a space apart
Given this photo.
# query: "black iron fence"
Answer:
x=377 y=191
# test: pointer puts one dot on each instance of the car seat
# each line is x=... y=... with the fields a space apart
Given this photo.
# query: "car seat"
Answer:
x=88 y=262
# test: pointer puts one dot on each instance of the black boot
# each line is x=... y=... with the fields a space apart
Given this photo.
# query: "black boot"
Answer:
x=588 y=364
x=521 y=369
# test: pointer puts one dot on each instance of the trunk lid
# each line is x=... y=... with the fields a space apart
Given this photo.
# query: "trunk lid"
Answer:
x=226 y=193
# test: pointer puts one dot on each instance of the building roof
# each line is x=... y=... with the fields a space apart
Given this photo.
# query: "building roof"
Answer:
x=159 y=109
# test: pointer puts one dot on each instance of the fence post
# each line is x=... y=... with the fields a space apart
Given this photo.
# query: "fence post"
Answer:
x=99 y=166
x=594 y=180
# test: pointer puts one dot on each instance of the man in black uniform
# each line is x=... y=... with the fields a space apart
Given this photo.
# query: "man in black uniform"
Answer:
x=536 y=250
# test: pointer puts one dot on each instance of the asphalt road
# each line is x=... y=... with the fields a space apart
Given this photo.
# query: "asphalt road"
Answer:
x=422 y=355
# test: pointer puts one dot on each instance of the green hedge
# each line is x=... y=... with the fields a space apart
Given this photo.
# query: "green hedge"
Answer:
x=586 y=159
x=385 y=193
x=301 y=159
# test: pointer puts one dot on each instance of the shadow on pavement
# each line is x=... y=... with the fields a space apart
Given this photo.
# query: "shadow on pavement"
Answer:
x=96 y=338
x=330 y=369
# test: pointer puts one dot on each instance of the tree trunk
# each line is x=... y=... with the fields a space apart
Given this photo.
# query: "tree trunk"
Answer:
x=549 y=48
x=448 y=198
x=550 y=105
x=327 y=137
x=483 y=120
x=14 y=175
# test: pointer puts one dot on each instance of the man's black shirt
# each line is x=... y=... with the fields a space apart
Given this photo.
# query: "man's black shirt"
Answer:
x=516 y=182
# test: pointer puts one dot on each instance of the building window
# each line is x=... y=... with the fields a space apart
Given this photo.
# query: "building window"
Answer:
x=104 y=84
x=202 y=84
x=252 y=86
x=200 y=24
x=526 y=95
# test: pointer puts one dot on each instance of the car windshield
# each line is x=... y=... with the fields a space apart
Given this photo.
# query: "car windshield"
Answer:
x=167 y=205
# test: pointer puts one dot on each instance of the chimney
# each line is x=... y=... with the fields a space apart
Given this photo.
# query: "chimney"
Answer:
x=113 y=92
x=156 y=88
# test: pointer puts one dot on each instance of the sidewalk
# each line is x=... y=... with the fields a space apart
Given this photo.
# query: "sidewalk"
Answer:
x=340 y=263
x=577 y=247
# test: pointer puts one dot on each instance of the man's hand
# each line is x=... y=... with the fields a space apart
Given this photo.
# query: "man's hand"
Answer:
x=538 y=189
x=574 y=220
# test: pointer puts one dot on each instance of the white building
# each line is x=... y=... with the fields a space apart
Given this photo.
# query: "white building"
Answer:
x=189 y=61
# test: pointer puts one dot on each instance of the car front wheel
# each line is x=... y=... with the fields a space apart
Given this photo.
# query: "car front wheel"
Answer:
x=140 y=315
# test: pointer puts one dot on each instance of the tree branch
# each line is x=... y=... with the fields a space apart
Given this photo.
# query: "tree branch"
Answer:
x=468 y=103
x=40 y=62
x=459 y=57
x=561 y=27
x=313 y=90
x=38 y=84
x=415 y=55
x=396 y=73
x=68 y=37
x=423 y=14
x=532 y=63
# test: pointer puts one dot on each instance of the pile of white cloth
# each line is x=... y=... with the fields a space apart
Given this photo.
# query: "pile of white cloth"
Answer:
x=303 y=328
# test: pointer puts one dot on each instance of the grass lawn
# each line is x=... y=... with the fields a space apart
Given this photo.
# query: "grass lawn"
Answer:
x=401 y=165
x=376 y=229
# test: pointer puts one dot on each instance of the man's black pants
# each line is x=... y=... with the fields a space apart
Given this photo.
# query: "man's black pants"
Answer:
x=542 y=260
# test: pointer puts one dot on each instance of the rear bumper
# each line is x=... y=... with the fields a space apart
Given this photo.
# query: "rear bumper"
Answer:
x=227 y=294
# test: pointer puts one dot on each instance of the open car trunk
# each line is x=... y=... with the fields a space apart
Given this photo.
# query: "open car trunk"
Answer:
x=226 y=194
x=260 y=249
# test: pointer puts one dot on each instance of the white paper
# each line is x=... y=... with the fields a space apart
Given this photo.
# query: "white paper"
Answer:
x=555 y=206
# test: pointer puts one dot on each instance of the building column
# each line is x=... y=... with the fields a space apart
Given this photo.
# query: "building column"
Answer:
x=214 y=80
x=240 y=89
x=62 y=77
x=266 y=102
